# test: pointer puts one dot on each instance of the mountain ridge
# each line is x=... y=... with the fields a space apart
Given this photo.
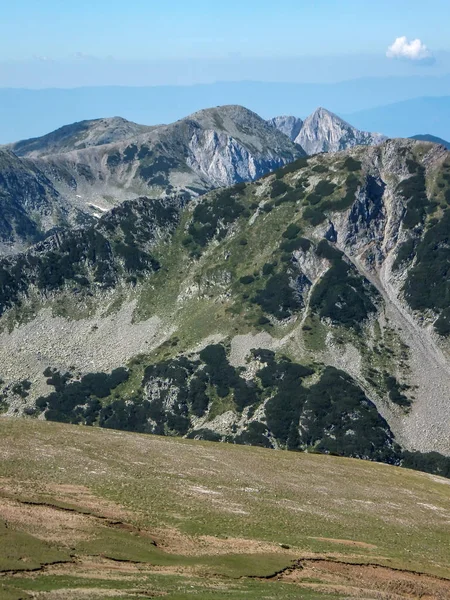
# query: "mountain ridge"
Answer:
x=209 y=149
x=311 y=272
x=78 y=136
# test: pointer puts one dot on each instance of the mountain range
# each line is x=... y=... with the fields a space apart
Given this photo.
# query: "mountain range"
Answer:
x=303 y=310
x=88 y=167
x=28 y=113
x=406 y=118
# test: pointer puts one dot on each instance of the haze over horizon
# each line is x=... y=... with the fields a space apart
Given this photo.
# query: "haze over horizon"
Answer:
x=97 y=44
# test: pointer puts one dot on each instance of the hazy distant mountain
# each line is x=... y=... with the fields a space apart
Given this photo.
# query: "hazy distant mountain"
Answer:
x=404 y=119
x=323 y=131
x=26 y=113
x=78 y=136
x=431 y=138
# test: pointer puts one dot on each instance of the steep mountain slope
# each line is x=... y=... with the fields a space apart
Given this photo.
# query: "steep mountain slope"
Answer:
x=288 y=125
x=91 y=514
x=78 y=136
x=211 y=148
x=29 y=204
x=306 y=310
x=323 y=131
x=431 y=138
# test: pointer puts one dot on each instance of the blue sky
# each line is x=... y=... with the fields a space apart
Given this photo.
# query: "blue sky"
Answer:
x=89 y=39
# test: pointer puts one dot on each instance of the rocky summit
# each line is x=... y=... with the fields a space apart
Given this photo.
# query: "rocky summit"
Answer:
x=323 y=131
x=305 y=310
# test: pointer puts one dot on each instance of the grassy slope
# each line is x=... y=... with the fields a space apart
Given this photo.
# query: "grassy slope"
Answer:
x=214 y=510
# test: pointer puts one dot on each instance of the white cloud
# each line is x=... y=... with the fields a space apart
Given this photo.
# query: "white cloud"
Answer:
x=413 y=50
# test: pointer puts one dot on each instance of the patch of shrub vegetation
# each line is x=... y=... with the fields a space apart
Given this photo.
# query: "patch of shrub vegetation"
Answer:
x=395 y=390
x=225 y=377
x=324 y=188
x=263 y=320
x=342 y=295
x=314 y=216
x=113 y=160
x=155 y=171
x=211 y=218
x=442 y=323
x=296 y=165
x=78 y=401
x=332 y=416
x=294 y=196
x=413 y=191
x=129 y=154
x=247 y=279
x=326 y=250
x=291 y=232
x=278 y=188
x=352 y=164
x=22 y=388
x=278 y=297
x=429 y=462
x=427 y=285
x=338 y=418
x=85 y=255
x=205 y=434
x=405 y=253
x=320 y=168
x=254 y=435
x=313 y=199
x=295 y=244
x=352 y=184
x=268 y=268
x=285 y=406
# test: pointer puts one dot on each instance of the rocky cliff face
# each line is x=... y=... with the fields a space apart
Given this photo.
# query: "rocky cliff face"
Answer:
x=306 y=311
x=324 y=131
x=30 y=206
x=288 y=125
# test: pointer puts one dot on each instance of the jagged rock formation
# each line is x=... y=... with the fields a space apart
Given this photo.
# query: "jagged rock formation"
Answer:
x=244 y=316
x=290 y=126
x=323 y=131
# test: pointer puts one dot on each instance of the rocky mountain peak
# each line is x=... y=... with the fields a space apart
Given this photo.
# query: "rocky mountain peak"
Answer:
x=324 y=131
